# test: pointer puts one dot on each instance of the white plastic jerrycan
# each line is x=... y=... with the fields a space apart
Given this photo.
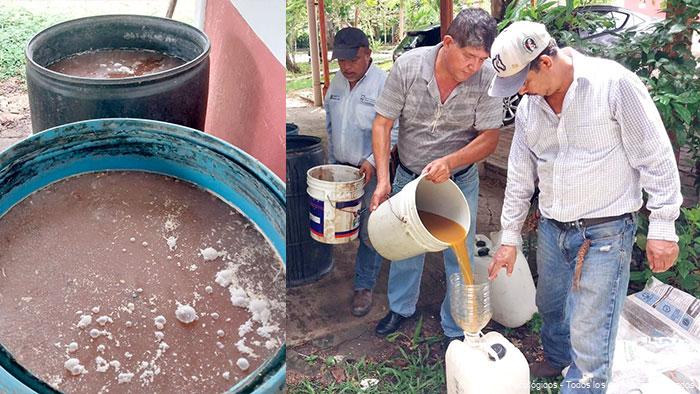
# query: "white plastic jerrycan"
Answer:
x=512 y=298
x=483 y=241
x=490 y=364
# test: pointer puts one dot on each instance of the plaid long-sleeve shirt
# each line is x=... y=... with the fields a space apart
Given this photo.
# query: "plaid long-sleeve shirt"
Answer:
x=595 y=157
x=428 y=128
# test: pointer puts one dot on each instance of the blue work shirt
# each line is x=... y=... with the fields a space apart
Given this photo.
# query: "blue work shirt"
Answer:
x=349 y=117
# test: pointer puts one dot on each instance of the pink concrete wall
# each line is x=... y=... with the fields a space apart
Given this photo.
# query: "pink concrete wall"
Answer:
x=246 y=88
x=648 y=7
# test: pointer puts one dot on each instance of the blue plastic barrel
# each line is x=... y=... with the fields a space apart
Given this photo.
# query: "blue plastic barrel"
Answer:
x=158 y=147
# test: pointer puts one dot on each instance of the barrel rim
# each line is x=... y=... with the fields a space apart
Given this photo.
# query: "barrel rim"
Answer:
x=314 y=143
x=359 y=182
x=213 y=142
x=188 y=65
x=258 y=378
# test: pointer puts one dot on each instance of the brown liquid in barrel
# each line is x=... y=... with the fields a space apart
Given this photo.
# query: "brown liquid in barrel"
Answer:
x=115 y=63
x=99 y=240
x=450 y=232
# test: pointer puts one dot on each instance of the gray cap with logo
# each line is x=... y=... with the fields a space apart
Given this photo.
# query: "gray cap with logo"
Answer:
x=347 y=42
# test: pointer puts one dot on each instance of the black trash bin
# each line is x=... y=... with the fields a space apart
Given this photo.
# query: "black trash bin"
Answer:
x=177 y=95
x=307 y=259
x=292 y=129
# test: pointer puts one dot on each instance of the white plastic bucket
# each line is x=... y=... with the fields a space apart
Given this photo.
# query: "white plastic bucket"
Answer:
x=395 y=229
x=335 y=199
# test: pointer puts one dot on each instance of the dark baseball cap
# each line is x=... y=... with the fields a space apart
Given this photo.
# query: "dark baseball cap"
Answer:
x=347 y=42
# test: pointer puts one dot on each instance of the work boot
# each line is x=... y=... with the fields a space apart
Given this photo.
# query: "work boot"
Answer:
x=390 y=323
x=542 y=369
x=361 y=302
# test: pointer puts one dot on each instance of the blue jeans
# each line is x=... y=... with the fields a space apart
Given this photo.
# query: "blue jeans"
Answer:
x=367 y=262
x=405 y=275
x=579 y=325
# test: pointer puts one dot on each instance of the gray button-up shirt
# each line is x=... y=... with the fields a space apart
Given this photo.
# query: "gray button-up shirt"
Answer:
x=429 y=129
x=594 y=160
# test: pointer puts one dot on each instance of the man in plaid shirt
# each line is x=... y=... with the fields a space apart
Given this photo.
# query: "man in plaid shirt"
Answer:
x=589 y=135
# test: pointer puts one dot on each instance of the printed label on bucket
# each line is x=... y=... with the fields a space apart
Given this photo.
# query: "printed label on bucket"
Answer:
x=316 y=216
x=347 y=218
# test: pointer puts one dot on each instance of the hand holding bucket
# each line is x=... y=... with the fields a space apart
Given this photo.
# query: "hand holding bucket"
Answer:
x=395 y=229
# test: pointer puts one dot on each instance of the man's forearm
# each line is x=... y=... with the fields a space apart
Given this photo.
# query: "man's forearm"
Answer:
x=381 y=134
x=482 y=146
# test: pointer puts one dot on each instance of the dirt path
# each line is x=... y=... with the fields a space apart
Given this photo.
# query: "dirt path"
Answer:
x=15 y=123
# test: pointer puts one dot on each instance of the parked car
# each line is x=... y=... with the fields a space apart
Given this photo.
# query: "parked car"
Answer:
x=623 y=19
x=420 y=38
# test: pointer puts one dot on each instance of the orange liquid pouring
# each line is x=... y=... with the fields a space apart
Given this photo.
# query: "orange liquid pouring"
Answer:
x=450 y=232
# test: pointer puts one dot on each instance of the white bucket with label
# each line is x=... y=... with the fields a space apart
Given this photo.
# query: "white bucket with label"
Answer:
x=335 y=199
x=395 y=229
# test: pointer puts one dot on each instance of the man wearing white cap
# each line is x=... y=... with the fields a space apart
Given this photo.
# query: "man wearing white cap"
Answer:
x=588 y=135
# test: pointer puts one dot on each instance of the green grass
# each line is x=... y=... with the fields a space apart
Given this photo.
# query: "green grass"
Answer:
x=535 y=324
x=299 y=84
x=411 y=372
x=414 y=369
x=17 y=26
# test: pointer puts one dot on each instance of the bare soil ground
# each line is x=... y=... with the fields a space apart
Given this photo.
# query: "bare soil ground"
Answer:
x=15 y=122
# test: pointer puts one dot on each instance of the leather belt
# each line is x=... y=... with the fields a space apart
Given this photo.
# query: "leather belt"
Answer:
x=588 y=222
x=414 y=175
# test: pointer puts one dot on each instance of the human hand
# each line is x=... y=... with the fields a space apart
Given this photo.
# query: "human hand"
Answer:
x=437 y=171
x=367 y=169
x=661 y=254
x=504 y=257
x=381 y=194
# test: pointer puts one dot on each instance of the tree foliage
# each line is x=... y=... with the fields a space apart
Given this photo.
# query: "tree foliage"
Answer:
x=379 y=19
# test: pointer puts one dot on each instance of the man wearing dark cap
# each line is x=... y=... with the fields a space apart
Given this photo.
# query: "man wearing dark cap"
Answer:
x=448 y=122
x=588 y=133
x=349 y=105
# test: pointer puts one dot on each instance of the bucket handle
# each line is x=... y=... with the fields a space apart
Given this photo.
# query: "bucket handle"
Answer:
x=363 y=210
x=333 y=203
x=391 y=208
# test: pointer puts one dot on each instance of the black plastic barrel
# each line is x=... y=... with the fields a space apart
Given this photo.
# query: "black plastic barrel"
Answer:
x=292 y=129
x=307 y=260
x=177 y=95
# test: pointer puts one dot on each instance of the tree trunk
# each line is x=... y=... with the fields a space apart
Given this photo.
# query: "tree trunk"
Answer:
x=313 y=46
x=357 y=17
x=498 y=8
x=402 y=17
x=291 y=66
x=171 y=9
x=446 y=16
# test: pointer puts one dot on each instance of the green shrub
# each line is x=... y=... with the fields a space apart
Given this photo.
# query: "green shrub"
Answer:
x=685 y=274
x=662 y=59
